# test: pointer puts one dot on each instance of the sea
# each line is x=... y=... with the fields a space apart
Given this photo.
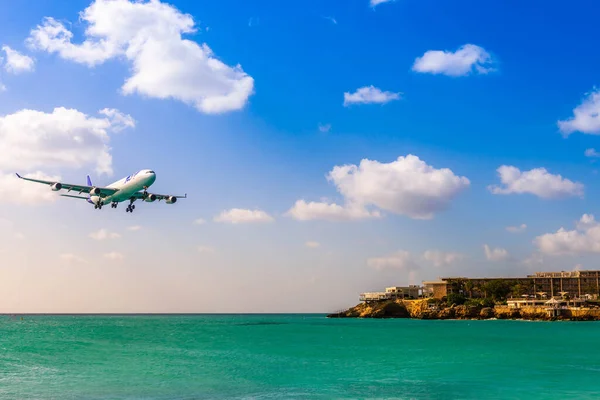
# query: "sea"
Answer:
x=294 y=357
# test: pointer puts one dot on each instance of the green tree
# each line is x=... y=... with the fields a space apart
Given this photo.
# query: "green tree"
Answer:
x=455 y=298
x=497 y=289
x=469 y=285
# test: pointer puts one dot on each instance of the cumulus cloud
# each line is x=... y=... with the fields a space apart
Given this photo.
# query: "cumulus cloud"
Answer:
x=199 y=221
x=103 y=234
x=303 y=211
x=402 y=260
x=72 y=258
x=369 y=95
x=406 y=186
x=496 y=254
x=17 y=62
x=537 y=181
x=206 y=249
x=374 y=3
x=242 y=216
x=65 y=137
x=467 y=59
x=148 y=34
x=312 y=244
x=325 y=128
x=585 y=238
x=134 y=228
x=440 y=258
x=591 y=153
x=586 y=117
x=516 y=229
x=114 y=256
x=535 y=259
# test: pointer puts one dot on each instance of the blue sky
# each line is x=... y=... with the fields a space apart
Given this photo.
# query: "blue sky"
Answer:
x=261 y=149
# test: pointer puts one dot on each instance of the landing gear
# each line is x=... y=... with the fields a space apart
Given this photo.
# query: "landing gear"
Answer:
x=99 y=205
x=113 y=204
x=130 y=206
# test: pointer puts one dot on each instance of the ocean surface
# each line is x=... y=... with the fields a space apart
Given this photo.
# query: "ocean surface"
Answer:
x=295 y=357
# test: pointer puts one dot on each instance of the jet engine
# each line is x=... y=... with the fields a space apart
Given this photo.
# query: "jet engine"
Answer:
x=56 y=186
x=95 y=191
x=171 y=200
x=150 y=198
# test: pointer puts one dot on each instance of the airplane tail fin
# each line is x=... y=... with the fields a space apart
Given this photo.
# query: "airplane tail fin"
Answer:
x=89 y=183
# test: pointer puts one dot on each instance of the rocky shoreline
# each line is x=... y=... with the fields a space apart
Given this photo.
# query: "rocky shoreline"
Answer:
x=421 y=309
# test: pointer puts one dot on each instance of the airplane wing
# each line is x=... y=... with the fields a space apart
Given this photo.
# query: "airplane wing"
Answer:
x=74 y=197
x=159 y=197
x=98 y=191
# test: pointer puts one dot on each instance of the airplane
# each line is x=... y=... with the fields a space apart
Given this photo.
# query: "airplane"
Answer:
x=133 y=187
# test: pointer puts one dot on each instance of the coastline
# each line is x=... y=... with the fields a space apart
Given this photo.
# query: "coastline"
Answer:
x=422 y=309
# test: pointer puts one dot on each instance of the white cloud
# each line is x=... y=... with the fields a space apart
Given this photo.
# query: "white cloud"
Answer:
x=205 y=249
x=374 y=3
x=2 y=87
x=466 y=59
x=333 y=20
x=402 y=260
x=163 y=64
x=515 y=229
x=63 y=138
x=104 y=234
x=72 y=258
x=586 y=117
x=325 y=128
x=16 y=191
x=537 y=181
x=534 y=259
x=17 y=62
x=312 y=244
x=406 y=186
x=497 y=254
x=440 y=258
x=241 y=216
x=303 y=211
x=134 y=228
x=591 y=153
x=369 y=95
x=114 y=256
x=199 y=221
x=585 y=238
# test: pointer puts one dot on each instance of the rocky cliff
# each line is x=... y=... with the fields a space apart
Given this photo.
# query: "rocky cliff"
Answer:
x=420 y=309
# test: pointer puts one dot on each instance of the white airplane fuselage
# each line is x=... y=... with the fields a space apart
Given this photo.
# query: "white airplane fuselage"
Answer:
x=127 y=187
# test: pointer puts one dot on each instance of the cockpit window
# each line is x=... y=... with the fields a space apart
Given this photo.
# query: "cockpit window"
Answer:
x=150 y=172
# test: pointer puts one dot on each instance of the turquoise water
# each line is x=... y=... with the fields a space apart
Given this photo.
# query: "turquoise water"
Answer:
x=294 y=357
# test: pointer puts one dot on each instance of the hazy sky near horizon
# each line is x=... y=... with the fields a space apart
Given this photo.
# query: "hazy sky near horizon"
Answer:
x=326 y=147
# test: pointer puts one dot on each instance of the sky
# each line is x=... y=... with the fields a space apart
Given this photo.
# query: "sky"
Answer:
x=327 y=148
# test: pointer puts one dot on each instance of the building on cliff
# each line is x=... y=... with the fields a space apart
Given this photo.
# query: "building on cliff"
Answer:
x=542 y=284
x=393 y=292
